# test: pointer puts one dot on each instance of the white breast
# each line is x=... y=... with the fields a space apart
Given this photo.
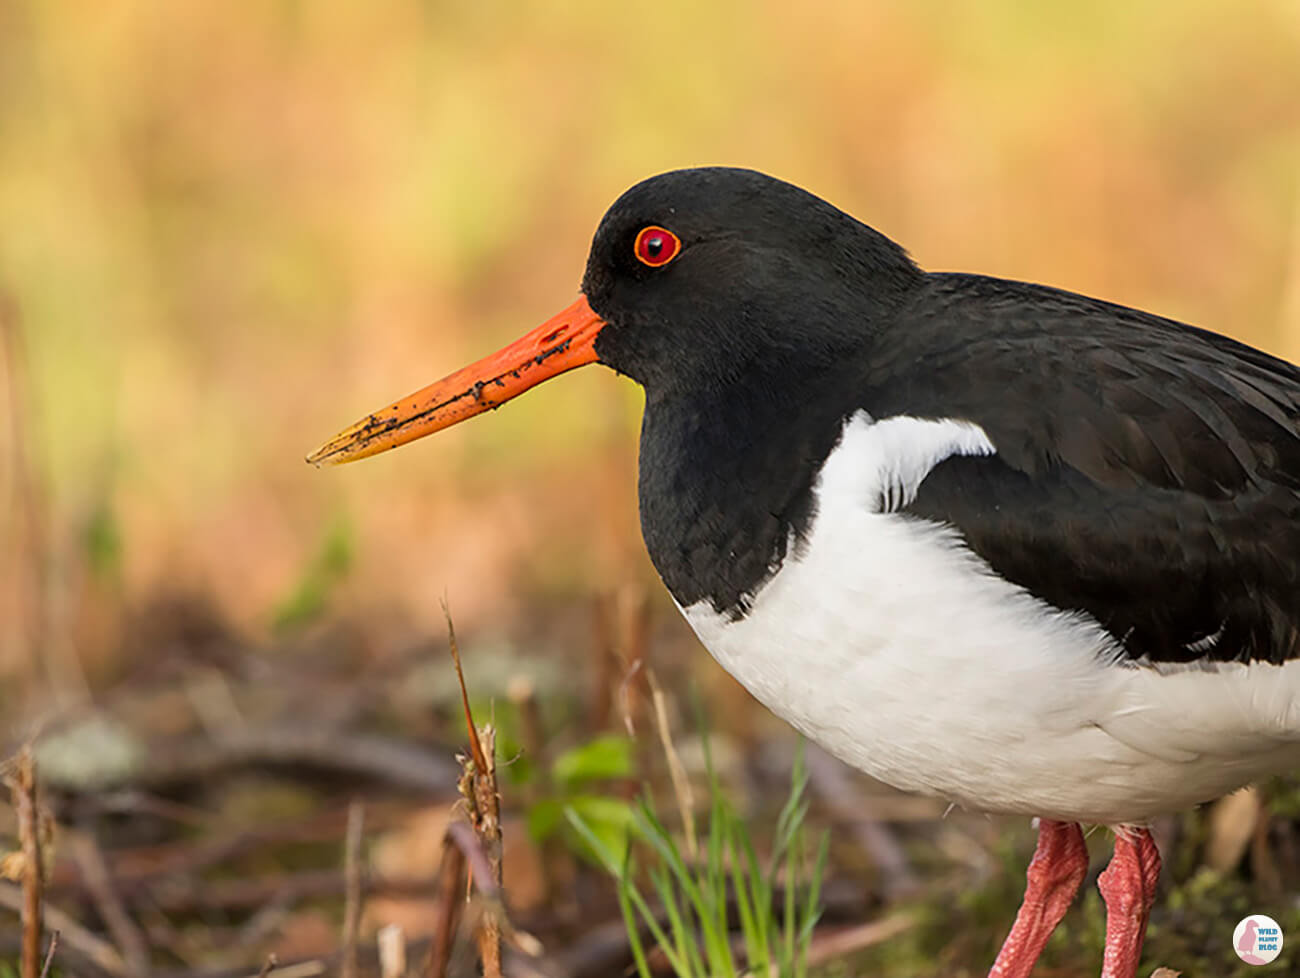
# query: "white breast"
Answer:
x=885 y=639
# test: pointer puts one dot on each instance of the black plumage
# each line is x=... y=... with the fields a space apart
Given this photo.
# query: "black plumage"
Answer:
x=1147 y=472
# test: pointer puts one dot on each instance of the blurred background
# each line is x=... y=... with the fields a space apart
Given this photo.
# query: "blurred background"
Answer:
x=227 y=230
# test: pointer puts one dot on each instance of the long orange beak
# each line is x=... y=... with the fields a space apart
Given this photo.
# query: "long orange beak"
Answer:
x=561 y=343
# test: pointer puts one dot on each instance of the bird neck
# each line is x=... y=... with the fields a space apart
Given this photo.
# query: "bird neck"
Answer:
x=726 y=479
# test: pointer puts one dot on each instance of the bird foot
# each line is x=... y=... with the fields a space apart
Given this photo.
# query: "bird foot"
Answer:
x=1054 y=876
x=1128 y=886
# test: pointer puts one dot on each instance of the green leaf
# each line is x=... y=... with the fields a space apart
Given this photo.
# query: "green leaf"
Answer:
x=609 y=756
x=607 y=820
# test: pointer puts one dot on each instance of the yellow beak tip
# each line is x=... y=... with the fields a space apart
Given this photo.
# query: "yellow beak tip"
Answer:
x=327 y=454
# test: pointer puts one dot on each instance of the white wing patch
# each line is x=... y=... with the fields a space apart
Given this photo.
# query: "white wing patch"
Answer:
x=893 y=456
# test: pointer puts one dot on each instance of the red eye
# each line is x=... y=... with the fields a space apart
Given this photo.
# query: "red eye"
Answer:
x=656 y=246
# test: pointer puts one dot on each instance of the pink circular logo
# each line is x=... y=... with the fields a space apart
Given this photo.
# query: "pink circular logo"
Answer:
x=1257 y=939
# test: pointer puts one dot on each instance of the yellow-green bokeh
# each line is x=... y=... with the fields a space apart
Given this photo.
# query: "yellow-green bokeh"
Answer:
x=229 y=229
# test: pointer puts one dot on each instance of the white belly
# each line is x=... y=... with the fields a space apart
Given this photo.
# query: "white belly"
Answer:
x=890 y=643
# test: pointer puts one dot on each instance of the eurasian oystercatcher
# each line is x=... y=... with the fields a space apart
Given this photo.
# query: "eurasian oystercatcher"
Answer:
x=1024 y=550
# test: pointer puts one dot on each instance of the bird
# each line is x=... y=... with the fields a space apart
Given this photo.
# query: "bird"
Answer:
x=1024 y=550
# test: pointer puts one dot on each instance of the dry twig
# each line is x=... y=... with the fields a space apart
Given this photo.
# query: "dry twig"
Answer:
x=478 y=786
x=450 y=870
x=49 y=953
x=676 y=769
x=22 y=786
x=100 y=953
x=352 y=878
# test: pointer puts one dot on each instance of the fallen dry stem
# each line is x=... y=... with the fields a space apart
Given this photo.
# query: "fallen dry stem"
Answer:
x=478 y=786
x=352 y=887
x=22 y=786
x=103 y=954
x=451 y=868
x=676 y=769
x=49 y=953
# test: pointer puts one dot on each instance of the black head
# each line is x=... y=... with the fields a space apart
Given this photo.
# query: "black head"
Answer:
x=756 y=268
x=697 y=280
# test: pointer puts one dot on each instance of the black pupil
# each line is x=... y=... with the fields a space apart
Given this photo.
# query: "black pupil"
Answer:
x=653 y=246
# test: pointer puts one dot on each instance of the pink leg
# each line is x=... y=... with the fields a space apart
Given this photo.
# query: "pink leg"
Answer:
x=1055 y=872
x=1129 y=888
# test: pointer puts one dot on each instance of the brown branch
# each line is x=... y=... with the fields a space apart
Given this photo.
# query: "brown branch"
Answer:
x=49 y=953
x=268 y=965
x=97 y=950
x=481 y=871
x=476 y=748
x=676 y=770
x=352 y=876
x=478 y=786
x=22 y=786
x=451 y=867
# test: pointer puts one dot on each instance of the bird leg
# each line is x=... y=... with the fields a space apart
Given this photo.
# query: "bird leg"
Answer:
x=1053 y=878
x=1128 y=886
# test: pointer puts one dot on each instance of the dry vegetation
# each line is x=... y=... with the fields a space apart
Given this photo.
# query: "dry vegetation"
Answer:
x=226 y=229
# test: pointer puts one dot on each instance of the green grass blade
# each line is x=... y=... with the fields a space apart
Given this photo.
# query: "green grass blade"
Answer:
x=713 y=933
x=680 y=924
x=756 y=952
x=760 y=891
x=633 y=927
x=612 y=866
x=812 y=909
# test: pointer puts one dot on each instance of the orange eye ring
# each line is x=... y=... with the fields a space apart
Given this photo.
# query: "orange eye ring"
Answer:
x=656 y=246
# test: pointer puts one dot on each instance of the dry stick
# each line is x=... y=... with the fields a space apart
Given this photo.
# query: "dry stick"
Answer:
x=75 y=936
x=479 y=787
x=99 y=882
x=268 y=965
x=22 y=784
x=451 y=867
x=352 y=877
x=49 y=953
x=676 y=770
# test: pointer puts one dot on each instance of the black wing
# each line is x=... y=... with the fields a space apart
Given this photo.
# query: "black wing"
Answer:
x=1147 y=473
